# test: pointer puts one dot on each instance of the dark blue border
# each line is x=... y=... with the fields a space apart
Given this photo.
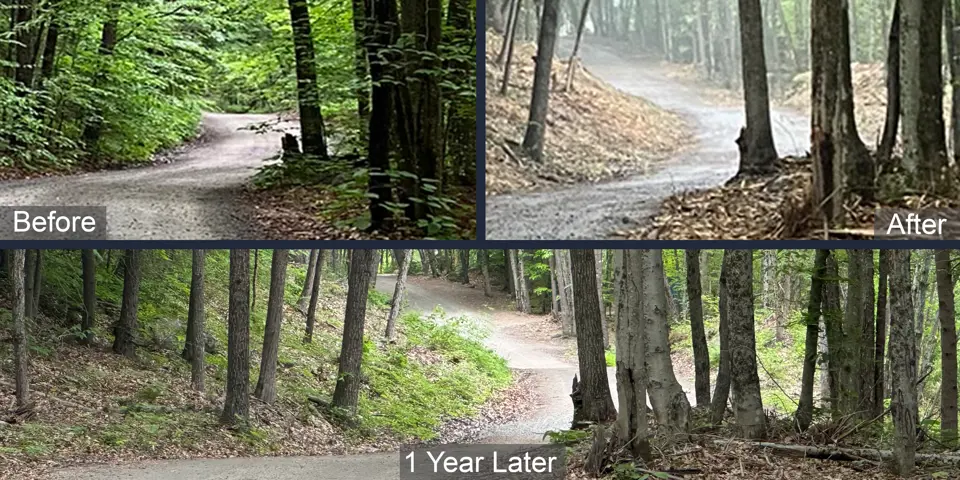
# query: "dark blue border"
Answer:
x=485 y=244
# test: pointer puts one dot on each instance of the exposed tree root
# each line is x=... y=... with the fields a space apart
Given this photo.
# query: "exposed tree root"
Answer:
x=842 y=454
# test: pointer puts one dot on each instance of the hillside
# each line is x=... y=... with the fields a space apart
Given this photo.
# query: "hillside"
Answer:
x=594 y=132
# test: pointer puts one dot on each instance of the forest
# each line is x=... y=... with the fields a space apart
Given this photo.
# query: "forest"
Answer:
x=322 y=118
x=824 y=111
x=683 y=363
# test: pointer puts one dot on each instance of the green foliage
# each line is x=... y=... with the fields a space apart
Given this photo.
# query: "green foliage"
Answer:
x=566 y=437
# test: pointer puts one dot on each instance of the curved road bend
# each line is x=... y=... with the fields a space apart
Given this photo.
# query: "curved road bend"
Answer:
x=193 y=198
x=598 y=211
x=551 y=375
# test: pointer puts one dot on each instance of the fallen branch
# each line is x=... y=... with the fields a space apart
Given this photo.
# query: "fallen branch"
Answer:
x=842 y=454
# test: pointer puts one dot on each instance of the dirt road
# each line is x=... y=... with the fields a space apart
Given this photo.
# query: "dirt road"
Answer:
x=193 y=198
x=598 y=211
x=551 y=374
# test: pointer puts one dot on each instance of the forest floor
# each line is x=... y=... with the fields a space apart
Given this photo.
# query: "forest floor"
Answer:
x=614 y=209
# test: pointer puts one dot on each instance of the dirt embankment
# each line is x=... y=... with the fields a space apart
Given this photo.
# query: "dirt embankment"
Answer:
x=594 y=132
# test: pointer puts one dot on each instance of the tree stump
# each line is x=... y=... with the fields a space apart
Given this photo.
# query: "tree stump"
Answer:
x=577 y=397
x=291 y=146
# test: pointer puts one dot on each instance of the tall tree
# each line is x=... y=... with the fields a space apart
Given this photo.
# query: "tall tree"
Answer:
x=20 y=350
x=804 y=415
x=93 y=130
x=403 y=258
x=485 y=270
x=308 y=94
x=383 y=35
x=236 y=405
x=758 y=154
x=88 y=260
x=266 y=388
x=464 y=265
x=948 y=347
x=891 y=126
x=565 y=287
x=597 y=402
x=196 y=337
x=312 y=266
x=315 y=297
x=880 y=339
x=903 y=363
x=347 y=392
x=537 y=122
x=125 y=330
x=721 y=392
x=576 y=44
x=670 y=404
x=751 y=421
x=631 y=354
x=701 y=355
x=921 y=95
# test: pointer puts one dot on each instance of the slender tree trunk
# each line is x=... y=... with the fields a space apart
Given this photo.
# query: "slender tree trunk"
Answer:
x=758 y=154
x=312 y=265
x=253 y=282
x=554 y=294
x=891 y=126
x=751 y=421
x=537 y=122
x=594 y=387
x=93 y=129
x=565 y=285
x=880 y=338
x=903 y=364
x=236 y=405
x=20 y=350
x=953 y=55
x=266 y=389
x=360 y=67
x=721 y=392
x=506 y=50
x=598 y=254
x=485 y=269
x=89 y=263
x=701 y=355
x=196 y=336
x=948 y=348
x=347 y=392
x=125 y=331
x=403 y=257
x=315 y=297
x=804 y=415
x=576 y=44
x=464 y=266
x=30 y=261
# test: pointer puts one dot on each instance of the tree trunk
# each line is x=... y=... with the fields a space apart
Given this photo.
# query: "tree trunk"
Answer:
x=266 y=389
x=125 y=331
x=576 y=44
x=360 y=67
x=196 y=338
x=253 y=281
x=315 y=297
x=404 y=259
x=891 y=126
x=751 y=421
x=953 y=54
x=554 y=293
x=312 y=265
x=948 y=348
x=236 y=405
x=670 y=404
x=20 y=349
x=537 y=122
x=903 y=364
x=88 y=260
x=701 y=355
x=758 y=154
x=880 y=339
x=93 y=129
x=565 y=286
x=721 y=392
x=631 y=354
x=921 y=96
x=506 y=50
x=598 y=254
x=382 y=36
x=347 y=392
x=804 y=415
x=485 y=270
x=594 y=387
x=29 y=266
x=464 y=266
x=308 y=94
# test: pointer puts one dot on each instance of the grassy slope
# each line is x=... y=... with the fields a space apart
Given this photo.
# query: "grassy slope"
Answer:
x=94 y=406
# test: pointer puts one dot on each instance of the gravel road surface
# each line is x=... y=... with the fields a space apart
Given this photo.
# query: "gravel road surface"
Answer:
x=193 y=198
x=598 y=211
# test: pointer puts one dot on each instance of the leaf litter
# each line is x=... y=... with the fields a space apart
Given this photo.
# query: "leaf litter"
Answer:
x=594 y=132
